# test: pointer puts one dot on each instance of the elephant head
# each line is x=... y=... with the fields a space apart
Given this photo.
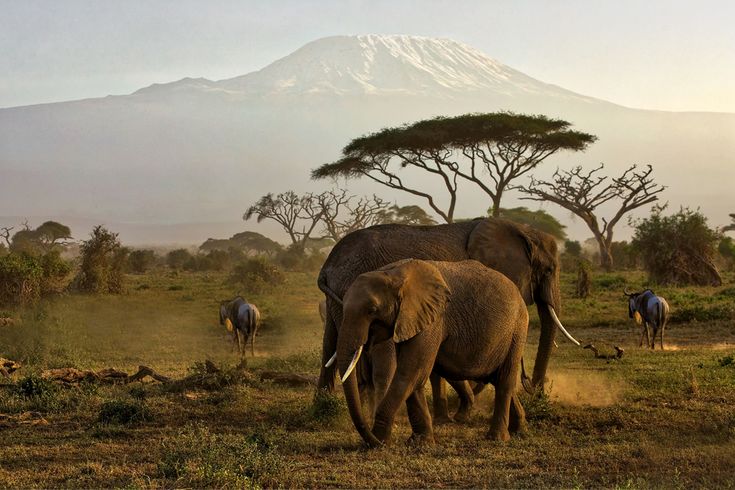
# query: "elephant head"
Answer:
x=529 y=258
x=394 y=303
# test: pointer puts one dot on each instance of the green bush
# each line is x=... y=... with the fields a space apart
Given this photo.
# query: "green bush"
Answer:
x=20 y=278
x=141 y=261
x=122 y=412
x=256 y=274
x=677 y=249
x=327 y=407
x=104 y=261
x=610 y=281
x=176 y=259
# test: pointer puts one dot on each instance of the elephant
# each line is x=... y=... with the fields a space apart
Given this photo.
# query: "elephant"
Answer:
x=461 y=320
x=648 y=309
x=323 y=311
x=242 y=319
x=526 y=256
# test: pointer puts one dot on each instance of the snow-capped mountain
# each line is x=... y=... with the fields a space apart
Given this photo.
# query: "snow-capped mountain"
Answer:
x=199 y=150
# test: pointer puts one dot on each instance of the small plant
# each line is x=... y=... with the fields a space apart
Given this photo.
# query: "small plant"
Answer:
x=123 y=412
x=538 y=405
x=256 y=274
x=326 y=407
x=33 y=386
x=726 y=361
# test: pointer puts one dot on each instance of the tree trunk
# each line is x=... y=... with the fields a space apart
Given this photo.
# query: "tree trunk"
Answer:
x=606 y=260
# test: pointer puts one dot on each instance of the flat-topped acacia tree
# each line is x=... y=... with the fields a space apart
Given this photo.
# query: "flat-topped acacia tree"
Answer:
x=489 y=150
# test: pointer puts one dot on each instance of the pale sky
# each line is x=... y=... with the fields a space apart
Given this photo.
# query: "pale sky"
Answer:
x=668 y=55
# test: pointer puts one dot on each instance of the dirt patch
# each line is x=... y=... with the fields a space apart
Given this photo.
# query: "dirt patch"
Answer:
x=588 y=388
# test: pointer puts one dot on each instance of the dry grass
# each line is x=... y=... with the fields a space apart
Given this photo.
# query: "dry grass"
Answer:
x=651 y=419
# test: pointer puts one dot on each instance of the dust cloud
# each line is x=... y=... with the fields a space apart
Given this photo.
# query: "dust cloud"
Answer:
x=587 y=388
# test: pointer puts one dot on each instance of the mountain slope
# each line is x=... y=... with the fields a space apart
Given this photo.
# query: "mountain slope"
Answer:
x=199 y=150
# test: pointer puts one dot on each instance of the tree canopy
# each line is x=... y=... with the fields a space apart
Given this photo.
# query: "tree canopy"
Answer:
x=539 y=219
x=489 y=150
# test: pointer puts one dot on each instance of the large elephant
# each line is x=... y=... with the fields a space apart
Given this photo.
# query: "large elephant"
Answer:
x=526 y=256
x=478 y=335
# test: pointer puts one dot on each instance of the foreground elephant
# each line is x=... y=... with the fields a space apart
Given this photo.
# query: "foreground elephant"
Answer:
x=478 y=335
x=526 y=256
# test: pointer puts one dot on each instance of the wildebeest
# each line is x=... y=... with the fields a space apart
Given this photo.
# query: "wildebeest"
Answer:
x=242 y=319
x=647 y=308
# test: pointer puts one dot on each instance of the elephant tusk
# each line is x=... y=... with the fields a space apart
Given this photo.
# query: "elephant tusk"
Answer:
x=352 y=365
x=560 y=326
x=331 y=360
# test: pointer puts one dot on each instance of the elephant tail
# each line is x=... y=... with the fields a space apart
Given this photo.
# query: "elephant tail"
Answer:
x=526 y=381
x=324 y=287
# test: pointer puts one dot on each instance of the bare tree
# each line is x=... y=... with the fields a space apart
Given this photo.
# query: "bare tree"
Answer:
x=582 y=193
x=5 y=234
x=297 y=215
x=343 y=213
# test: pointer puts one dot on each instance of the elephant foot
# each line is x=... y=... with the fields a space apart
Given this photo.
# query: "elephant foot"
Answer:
x=421 y=440
x=442 y=419
x=519 y=428
x=501 y=435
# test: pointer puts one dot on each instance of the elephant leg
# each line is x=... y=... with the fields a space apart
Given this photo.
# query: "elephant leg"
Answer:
x=327 y=375
x=517 y=423
x=414 y=364
x=478 y=388
x=466 y=400
x=420 y=418
x=439 y=399
x=505 y=389
x=383 y=368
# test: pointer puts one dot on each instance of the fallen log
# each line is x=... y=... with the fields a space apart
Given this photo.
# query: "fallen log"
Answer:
x=618 y=352
x=8 y=367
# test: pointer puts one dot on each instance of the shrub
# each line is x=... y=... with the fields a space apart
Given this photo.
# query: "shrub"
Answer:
x=256 y=274
x=123 y=412
x=141 y=261
x=177 y=258
x=327 y=407
x=677 y=249
x=20 y=278
x=104 y=261
x=703 y=313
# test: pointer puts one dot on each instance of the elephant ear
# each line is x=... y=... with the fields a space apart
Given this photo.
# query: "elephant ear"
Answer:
x=422 y=297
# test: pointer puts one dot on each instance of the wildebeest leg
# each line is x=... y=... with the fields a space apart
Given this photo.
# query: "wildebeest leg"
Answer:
x=644 y=331
x=648 y=338
x=662 y=336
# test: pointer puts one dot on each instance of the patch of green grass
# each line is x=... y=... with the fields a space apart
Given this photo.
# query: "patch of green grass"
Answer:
x=123 y=412
x=197 y=457
x=327 y=407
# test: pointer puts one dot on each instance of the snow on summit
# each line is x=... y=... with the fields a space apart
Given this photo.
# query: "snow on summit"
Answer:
x=371 y=64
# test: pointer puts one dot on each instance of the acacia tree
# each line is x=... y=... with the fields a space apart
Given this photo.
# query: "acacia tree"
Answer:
x=731 y=226
x=406 y=215
x=539 y=219
x=490 y=151
x=582 y=193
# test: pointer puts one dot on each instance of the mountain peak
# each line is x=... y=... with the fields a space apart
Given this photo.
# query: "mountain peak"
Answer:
x=370 y=64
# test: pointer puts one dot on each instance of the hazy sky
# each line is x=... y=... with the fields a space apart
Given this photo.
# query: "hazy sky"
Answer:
x=671 y=55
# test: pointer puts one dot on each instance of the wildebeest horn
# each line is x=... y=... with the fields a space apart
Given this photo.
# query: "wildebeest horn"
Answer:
x=625 y=291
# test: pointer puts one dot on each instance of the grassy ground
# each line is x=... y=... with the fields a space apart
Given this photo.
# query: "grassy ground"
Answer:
x=652 y=419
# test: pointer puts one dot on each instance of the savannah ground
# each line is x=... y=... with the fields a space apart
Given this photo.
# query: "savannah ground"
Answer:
x=651 y=419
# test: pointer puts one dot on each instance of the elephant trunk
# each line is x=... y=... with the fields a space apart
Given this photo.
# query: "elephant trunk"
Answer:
x=347 y=356
x=548 y=298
